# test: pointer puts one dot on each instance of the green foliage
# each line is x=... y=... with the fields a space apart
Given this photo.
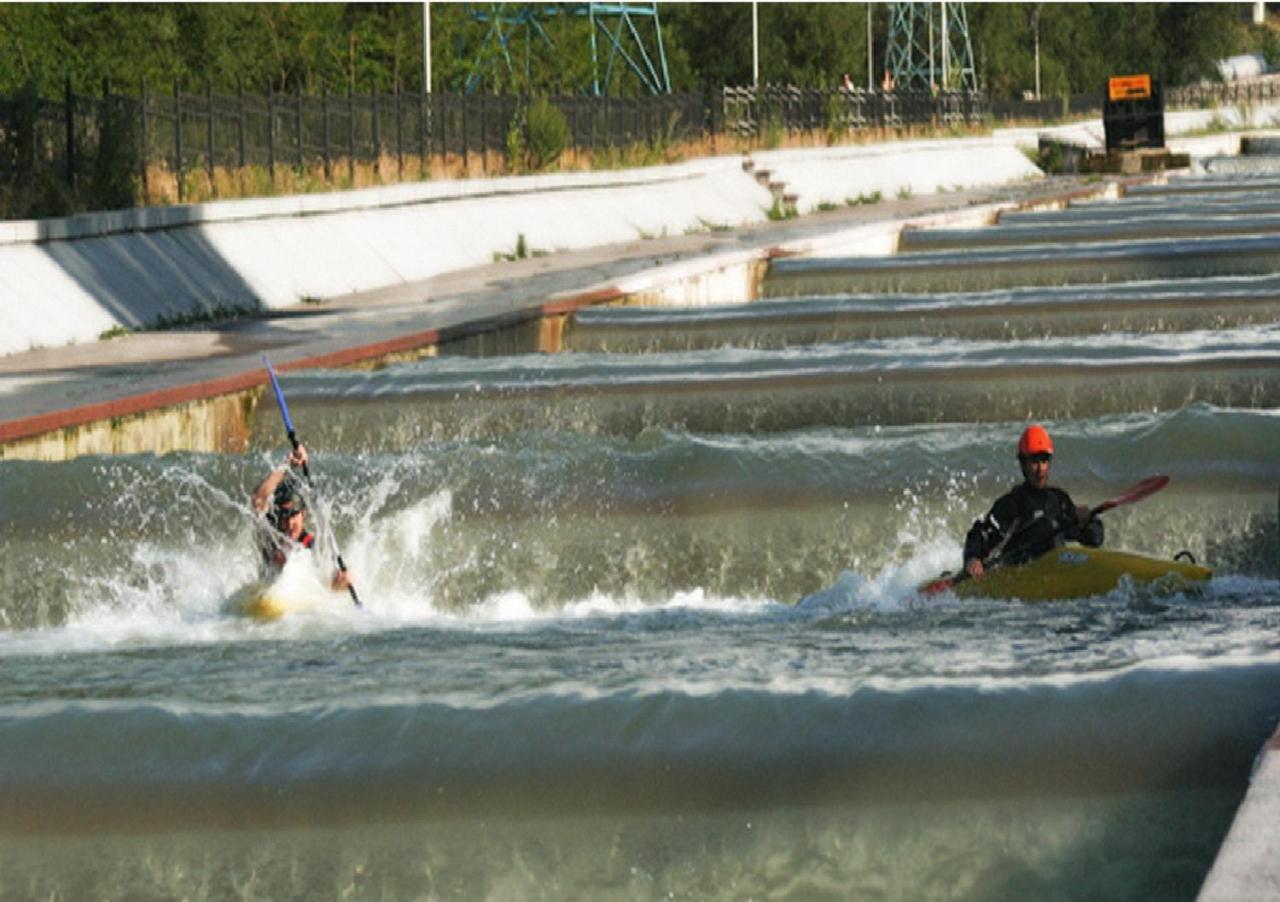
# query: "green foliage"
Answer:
x=308 y=46
x=114 y=182
x=521 y=252
x=548 y=134
x=781 y=211
x=1268 y=44
x=833 y=114
x=515 y=142
x=1082 y=44
x=873 y=197
x=771 y=129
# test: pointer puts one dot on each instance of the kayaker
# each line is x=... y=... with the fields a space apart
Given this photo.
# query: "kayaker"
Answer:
x=1033 y=518
x=280 y=501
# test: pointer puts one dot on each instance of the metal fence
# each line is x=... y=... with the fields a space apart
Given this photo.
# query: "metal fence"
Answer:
x=187 y=130
x=94 y=149
x=1188 y=97
x=754 y=111
x=1241 y=93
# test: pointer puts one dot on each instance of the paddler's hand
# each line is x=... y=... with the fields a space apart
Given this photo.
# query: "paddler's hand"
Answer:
x=298 y=459
x=341 y=580
x=1083 y=514
x=973 y=567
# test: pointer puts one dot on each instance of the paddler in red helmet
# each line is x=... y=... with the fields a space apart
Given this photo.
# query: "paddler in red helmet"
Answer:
x=1033 y=518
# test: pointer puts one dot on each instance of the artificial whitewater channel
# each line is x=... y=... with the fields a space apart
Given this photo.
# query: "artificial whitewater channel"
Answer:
x=638 y=617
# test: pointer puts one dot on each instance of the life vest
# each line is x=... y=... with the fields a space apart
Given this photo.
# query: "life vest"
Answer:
x=277 y=552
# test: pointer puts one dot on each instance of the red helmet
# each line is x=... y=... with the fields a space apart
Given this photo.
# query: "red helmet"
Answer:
x=1035 y=440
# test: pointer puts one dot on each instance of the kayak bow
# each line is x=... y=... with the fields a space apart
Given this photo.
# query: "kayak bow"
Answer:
x=1074 y=571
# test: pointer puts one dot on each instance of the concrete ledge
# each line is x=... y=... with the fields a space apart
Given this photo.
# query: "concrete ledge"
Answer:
x=1247 y=868
x=840 y=175
x=72 y=280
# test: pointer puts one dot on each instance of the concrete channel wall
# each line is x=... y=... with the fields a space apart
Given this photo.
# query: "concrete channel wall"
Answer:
x=70 y=280
x=67 y=281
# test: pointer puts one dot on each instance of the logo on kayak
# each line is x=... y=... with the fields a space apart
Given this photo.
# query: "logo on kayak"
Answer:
x=1075 y=558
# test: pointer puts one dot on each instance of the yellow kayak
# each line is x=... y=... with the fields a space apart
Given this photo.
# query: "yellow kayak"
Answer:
x=1075 y=571
x=264 y=602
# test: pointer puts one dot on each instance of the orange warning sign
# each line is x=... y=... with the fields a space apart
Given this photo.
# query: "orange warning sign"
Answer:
x=1129 y=87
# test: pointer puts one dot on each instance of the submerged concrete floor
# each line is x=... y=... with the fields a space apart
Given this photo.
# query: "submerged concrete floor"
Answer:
x=56 y=388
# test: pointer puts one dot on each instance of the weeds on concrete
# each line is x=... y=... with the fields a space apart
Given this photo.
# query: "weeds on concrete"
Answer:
x=780 y=211
x=216 y=314
x=521 y=252
x=873 y=197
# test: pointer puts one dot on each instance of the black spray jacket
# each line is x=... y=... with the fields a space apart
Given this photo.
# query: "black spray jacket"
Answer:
x=1033 y=521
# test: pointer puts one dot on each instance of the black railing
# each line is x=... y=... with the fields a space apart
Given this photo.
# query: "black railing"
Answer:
x=82 y=151
x=757 y=111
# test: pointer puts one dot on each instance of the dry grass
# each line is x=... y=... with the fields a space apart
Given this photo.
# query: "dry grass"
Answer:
x=198 y=185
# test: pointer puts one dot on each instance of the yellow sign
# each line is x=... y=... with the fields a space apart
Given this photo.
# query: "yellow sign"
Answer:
x=1129 y=87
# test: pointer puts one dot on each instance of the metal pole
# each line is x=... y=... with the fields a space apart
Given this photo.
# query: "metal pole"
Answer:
x=208 y=95
x=271 y=136
x=755 y=44
x=870 y=53
x=146 y=146
x=351 y=136
x=177 y=134
x=426 y=45
x=374 y=131
x=298 y=125
x=933 y=76
x=324 y=113
x=70 y=109
x=946 y=48
x=1035 y=24
x=240 y=120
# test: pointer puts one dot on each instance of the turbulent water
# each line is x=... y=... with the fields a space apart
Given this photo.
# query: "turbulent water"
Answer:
x=616 y=645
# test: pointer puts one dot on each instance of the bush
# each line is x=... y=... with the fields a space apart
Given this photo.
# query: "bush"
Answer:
x=547 y=134
x=113 y=184
x=515 y=142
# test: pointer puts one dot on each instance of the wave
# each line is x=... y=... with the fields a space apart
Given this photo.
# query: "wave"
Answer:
x=146 y=766
x=558 y=518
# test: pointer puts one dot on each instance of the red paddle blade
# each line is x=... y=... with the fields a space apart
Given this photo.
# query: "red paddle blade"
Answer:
x=1148 y=486
x=942 y=583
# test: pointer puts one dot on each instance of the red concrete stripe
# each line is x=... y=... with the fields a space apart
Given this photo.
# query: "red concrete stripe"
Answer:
x=29 y=427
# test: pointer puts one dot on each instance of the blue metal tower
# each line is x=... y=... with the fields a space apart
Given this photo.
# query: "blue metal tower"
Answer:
x=620 y=27
x=929 y=47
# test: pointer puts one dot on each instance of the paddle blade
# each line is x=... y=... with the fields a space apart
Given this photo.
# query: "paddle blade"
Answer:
x=1144 y=489
x=280 y=401
x=942 y=583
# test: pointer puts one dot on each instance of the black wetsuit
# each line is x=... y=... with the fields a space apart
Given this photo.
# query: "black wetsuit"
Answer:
x=1034 y=520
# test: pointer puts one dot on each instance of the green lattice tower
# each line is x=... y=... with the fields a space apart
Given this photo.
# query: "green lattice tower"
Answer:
x=929 y=45
x=630 y=32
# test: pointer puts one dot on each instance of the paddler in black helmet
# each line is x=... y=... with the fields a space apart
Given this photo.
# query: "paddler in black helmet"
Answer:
x=1033 y=518
x=279 y=499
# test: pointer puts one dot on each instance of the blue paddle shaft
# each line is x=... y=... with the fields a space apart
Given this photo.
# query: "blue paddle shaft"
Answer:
x=280 y=401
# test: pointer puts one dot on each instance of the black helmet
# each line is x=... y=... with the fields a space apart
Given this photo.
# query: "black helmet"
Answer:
x=288 y=501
